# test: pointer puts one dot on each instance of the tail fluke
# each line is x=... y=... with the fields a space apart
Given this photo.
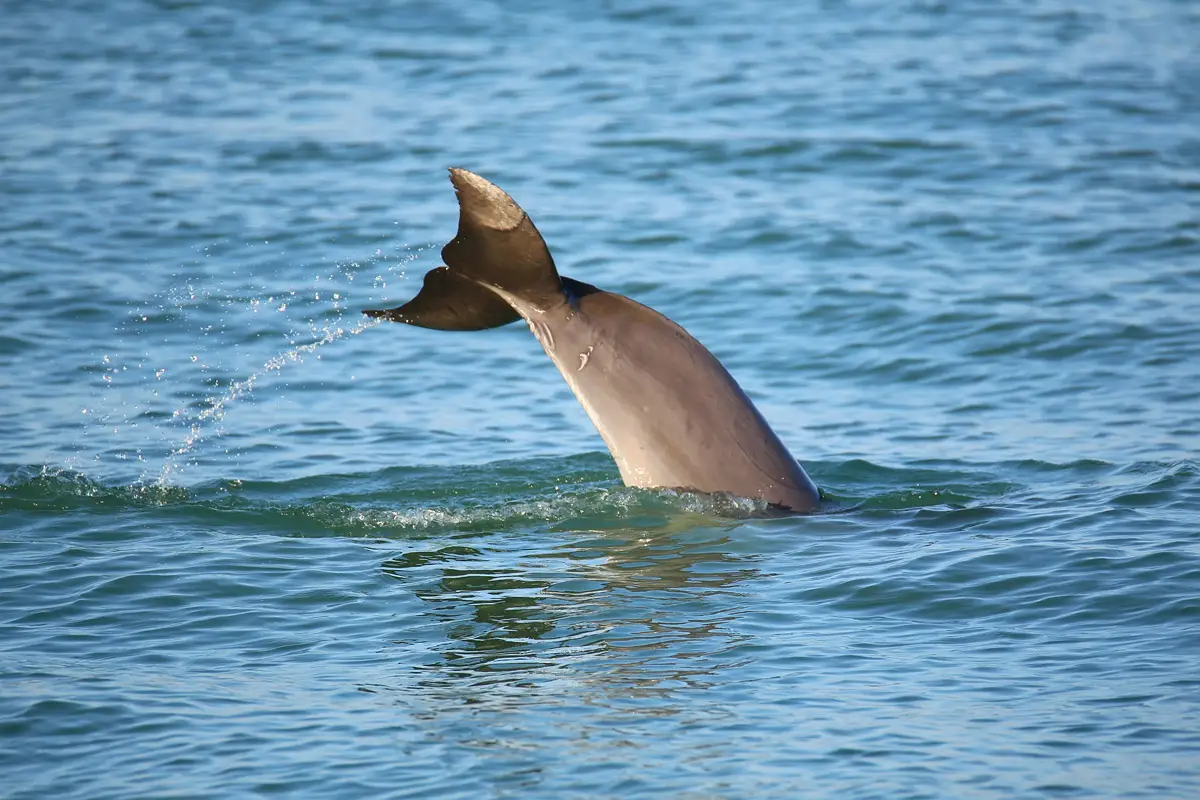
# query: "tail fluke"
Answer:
x=449 y=302
x=497 y=246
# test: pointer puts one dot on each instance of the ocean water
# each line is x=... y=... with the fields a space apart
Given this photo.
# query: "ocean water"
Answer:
x=252 y=543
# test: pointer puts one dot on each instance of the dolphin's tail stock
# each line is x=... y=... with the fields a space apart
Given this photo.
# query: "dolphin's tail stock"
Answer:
x=496 y=252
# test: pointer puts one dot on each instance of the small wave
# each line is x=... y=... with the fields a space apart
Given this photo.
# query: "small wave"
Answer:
x=581 y=493
x=588 y=508
x=861 y=484
x=42 y=488
x=384 y=504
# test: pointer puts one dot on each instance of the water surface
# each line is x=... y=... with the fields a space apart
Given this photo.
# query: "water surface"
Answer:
x=253 y=543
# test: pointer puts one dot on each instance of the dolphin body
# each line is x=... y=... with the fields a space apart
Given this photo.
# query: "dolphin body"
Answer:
x=671 y=415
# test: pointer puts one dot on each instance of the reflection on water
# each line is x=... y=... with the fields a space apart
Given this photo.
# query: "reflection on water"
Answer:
x=629 y=611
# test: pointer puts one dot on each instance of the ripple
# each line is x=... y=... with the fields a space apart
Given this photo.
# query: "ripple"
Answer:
x=946 y=247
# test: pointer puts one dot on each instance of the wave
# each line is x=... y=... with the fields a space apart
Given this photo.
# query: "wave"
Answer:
x=582 y=492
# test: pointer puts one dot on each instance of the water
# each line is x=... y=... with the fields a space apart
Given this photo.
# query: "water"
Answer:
x=255 y=544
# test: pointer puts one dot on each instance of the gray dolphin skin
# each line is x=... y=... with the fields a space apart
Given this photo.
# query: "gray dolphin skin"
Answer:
x=671 y=415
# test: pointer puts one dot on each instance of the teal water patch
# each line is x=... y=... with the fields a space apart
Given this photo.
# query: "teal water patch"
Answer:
x=225 y=614
x=948 y=249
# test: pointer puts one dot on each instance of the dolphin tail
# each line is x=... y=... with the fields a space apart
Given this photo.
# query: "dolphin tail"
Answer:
x=449 y=302
x=497 y=251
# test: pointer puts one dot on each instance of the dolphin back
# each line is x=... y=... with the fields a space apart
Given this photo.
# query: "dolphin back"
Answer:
x=497 y=251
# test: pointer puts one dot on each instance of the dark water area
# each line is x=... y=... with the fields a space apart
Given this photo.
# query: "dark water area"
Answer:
x=254 y=543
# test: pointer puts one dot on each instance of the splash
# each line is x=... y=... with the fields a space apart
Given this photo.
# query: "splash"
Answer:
x=186 y=354
x=322 y=297
x=218 y=405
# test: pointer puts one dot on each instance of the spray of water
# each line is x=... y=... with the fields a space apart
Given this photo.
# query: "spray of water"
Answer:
x=217 y=405
x=212 y=321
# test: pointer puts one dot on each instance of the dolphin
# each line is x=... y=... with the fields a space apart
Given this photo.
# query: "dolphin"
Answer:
x=670 y=413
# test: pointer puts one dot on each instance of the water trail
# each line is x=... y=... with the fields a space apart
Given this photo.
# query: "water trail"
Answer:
x=204 y=328
x=238 y=389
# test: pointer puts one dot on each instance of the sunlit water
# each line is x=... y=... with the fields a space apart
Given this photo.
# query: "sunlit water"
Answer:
x=251 y=542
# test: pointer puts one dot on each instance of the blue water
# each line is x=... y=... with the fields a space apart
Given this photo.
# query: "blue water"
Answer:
x=252 y=543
